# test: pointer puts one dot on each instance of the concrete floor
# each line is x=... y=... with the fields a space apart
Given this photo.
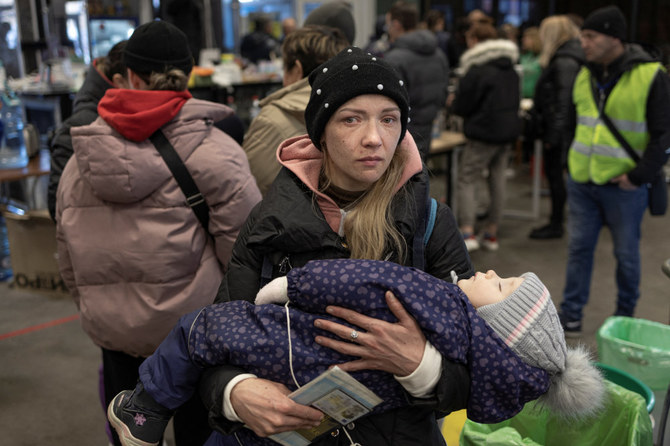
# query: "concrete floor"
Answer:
x=49 y=377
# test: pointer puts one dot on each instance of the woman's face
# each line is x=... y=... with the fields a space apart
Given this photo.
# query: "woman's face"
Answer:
x=361 y=138
x=527 y=42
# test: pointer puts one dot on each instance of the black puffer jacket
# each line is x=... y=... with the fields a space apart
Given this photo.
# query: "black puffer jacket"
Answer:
x=488 y=92
x=284 y=228
x=289 y=228
x=85 y=111
x=553 y=95
x=425 y=70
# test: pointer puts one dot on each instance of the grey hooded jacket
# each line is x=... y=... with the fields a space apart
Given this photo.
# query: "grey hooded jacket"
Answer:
x=425 y=70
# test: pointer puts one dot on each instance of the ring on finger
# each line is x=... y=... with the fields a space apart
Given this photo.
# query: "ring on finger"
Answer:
x=354 y=334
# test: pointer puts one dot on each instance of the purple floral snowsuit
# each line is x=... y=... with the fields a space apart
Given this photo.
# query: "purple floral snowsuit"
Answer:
x=254 y=337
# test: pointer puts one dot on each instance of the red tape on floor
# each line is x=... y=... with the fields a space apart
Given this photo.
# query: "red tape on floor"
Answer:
x=38 y=327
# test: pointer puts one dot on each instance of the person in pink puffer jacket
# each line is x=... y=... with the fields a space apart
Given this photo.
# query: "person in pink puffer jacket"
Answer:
x=133 y=254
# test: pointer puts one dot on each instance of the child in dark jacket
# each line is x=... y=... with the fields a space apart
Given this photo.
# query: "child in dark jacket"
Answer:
x=505 y=330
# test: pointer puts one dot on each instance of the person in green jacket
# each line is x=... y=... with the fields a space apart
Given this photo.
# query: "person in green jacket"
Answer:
x=531 y=45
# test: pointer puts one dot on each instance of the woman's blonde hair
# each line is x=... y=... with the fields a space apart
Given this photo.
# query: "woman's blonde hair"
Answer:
x=554 y=32
x=369 y=229
x=173 y=80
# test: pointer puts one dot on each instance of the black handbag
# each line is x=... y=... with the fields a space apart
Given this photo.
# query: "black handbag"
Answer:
x=658 y=188
x=658 y=195
x=181 y=174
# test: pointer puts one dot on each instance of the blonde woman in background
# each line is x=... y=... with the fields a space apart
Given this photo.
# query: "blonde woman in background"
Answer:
x=561 y=58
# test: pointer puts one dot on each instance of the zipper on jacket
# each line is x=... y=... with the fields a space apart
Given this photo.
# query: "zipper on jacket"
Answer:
x=601 y=100
x=285 y=265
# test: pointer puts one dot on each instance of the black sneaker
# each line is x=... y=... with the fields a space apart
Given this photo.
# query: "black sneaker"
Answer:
x=547 y=232
x=137 y=425
x=571 y=328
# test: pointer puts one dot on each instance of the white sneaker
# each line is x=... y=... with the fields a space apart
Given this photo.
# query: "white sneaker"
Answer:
x=471 y=243
x=490 y=243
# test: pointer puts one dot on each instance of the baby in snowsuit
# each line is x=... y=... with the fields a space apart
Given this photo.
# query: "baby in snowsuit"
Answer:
x=511 y=340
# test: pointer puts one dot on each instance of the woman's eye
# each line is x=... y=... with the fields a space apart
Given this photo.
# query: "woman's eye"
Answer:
x=350 y=120
x=389 y=120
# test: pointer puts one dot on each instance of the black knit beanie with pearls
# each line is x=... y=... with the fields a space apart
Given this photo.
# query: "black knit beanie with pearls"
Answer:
x=351 y=73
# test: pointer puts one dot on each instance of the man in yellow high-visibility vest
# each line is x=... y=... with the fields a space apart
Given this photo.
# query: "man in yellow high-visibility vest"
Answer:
x=606 y=187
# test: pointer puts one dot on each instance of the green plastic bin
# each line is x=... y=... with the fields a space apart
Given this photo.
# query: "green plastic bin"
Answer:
x=628 y=382
x=638 y=347
x=623 y=421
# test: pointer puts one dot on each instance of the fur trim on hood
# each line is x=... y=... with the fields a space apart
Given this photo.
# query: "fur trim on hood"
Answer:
x=487 y=51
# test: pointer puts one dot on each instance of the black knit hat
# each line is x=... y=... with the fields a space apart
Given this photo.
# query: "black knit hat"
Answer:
x=608 y=20
x=351 y=73
x=157 y=46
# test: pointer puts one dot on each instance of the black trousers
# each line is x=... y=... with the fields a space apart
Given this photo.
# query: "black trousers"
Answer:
x=120 y=372
x=554 y=163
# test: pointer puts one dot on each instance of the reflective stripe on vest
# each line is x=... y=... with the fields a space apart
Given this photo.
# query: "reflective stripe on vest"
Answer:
x=595 y=154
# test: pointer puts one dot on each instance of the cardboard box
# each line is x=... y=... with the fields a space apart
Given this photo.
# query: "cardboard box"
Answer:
x=33 y=252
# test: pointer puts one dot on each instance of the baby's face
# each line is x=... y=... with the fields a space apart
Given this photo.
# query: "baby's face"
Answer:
x=487 y=288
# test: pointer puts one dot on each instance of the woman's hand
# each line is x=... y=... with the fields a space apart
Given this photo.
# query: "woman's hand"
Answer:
x=392 y=347
x=266 y=409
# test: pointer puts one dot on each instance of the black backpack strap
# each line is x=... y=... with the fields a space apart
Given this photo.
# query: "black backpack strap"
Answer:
x=424 y=229
x=181 y=174
x=430 y=224
x=619 y=137
x=266 y=270
x=597 y=89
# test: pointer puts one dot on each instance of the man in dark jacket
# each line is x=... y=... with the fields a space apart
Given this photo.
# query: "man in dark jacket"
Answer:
x=488 y=100
x=259 y=44
x=423 y=66
x=105 y=72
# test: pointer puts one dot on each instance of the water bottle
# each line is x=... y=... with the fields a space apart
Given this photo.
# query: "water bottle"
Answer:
x=255 y=107
x=5 y=263
x=13 y=152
